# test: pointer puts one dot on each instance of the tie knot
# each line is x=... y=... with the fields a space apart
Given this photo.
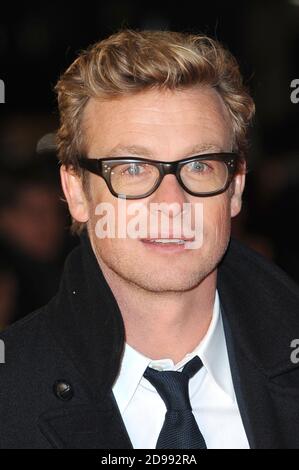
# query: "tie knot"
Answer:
x=173 y=386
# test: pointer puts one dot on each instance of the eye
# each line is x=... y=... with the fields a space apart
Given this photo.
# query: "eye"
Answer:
x=134 y=169
x=197 y=166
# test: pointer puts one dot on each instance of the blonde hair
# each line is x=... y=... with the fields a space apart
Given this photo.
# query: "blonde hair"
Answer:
x=131 y=61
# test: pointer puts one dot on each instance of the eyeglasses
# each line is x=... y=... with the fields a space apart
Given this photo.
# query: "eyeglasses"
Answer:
x=137 y=178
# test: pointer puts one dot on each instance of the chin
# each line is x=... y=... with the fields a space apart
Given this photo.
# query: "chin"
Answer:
x=167 y=286
x=161 y=277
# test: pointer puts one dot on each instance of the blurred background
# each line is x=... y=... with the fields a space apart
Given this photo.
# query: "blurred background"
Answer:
x=38 y=41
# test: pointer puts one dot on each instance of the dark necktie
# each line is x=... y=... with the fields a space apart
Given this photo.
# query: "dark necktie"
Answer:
x=180 y=430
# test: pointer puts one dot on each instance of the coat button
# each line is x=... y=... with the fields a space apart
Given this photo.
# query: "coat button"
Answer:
x=63 y=390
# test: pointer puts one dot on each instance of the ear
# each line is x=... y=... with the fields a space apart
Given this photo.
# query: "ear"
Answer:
x=74 y=193
x=237 y=186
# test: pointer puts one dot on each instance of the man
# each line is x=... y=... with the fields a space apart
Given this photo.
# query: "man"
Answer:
x=156 y=339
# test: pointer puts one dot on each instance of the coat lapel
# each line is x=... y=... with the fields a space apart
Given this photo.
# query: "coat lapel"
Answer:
x=86 y=321
x=260 y=310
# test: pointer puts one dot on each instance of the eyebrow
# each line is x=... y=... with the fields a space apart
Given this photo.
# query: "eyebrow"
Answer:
x=146 y=152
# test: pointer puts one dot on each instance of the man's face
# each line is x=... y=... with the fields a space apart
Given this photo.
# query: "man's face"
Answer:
x=169 y=124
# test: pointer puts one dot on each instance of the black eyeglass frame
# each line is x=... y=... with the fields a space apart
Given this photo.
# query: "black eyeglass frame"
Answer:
x=103 y=166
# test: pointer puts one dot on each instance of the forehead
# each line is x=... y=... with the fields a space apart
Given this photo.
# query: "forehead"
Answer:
x=156 y=121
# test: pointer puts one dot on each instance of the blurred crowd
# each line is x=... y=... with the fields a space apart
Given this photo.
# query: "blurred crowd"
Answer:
x=34 y=235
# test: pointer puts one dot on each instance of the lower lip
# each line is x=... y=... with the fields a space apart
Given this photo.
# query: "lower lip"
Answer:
x=165 y=247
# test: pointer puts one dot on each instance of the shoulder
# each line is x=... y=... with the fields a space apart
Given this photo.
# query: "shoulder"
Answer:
x=242 y=264
x=29 y=345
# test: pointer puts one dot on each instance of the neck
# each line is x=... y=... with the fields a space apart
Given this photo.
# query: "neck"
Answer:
x=163 y=324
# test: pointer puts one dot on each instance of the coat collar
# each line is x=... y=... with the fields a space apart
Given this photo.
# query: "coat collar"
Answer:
x=85 y=319
x=261 y=306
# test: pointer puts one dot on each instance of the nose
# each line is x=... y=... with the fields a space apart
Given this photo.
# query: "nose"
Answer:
x=170 y=192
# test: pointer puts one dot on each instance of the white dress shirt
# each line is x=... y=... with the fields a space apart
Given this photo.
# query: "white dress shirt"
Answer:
x=211 y=391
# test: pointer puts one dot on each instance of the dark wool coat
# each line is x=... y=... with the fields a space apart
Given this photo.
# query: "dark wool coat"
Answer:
x=62 y=360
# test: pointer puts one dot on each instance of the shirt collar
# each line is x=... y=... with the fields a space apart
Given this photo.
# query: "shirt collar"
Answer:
x=211 y=350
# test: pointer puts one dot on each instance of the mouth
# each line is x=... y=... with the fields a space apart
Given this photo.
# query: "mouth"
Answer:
x=166 y=244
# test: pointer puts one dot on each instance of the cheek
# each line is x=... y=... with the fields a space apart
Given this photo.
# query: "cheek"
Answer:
x=216 y=218
x=98 y=189
x=105 y=211
x=98 y=194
